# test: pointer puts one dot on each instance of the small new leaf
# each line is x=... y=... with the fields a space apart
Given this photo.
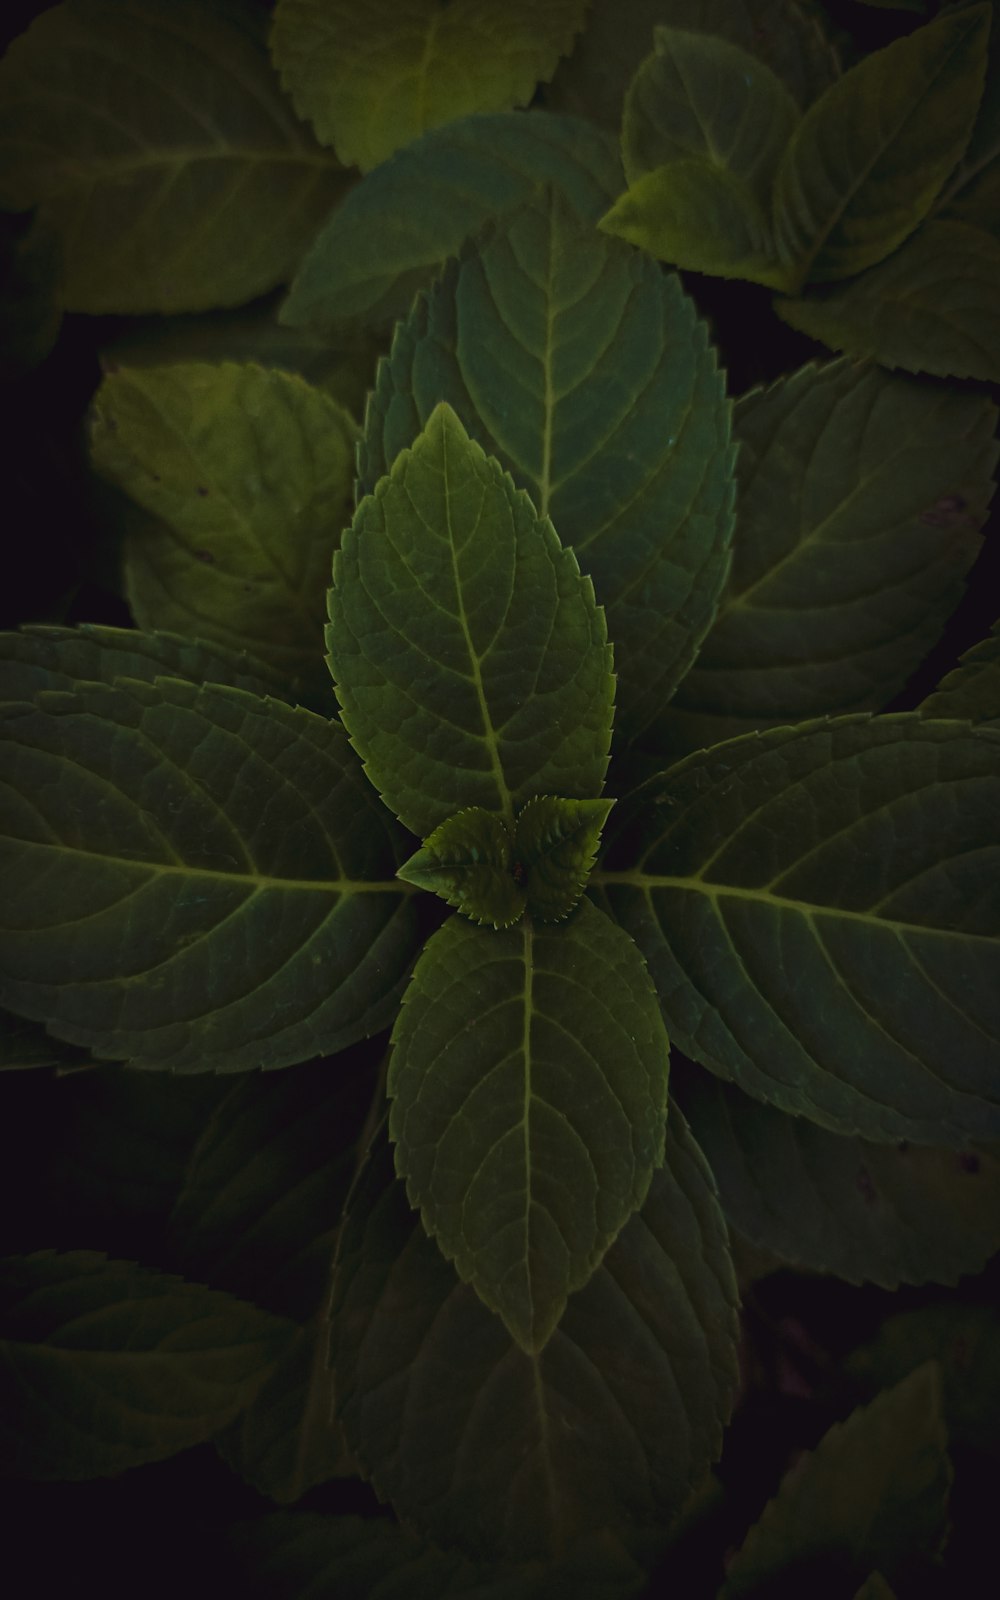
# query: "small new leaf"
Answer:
x=555 y=844
x=467 y=861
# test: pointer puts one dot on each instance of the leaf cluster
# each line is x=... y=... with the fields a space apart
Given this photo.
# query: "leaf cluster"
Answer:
x=500 y=858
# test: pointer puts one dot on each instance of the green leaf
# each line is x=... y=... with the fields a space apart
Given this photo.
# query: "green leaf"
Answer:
x=196 y=879
x=699 y=217
x=702 y=98
x=127 y=179
x=965 y=1340
x=931 y=307
x=286 y=1441
x=43 y=656
x=520 y=336
x=30 y=275
x=506 y=1454
x=870 y=1213
x=372 y=81
x=24 y=1045
x=875 y=1491
x=972 y=692
x=106 y=1364
x=971 y=192
x=249 y=472
x=875 y=1586
x=859 y=502
x=616 y=41
x=299 y=1555
x=817 y=908
x=265 y=1180
x=528 y=1081
x=408 y=216
x=870 y=156
x=467 y=861
x=470 y=658
x=555 y=844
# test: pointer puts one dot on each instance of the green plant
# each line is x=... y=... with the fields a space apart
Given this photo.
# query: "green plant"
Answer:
x=609 y=760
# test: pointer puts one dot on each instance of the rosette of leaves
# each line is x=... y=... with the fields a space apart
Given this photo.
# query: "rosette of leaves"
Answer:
x=872 y=208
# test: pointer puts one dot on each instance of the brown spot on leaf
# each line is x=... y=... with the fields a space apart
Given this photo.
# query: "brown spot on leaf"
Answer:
x=518 y=872
x=206 y=556
x=865 y=1186
x=202 y=491
x=968 y=1161
x=944 y=513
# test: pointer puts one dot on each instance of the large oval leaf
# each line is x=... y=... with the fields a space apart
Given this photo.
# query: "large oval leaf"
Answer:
x=859 y=503
x=506 y=1454
x=818 y=907
x=869 y=158
x=931 y=306
x=106 y=1364
x=249 y=475
x=871 y=1213
x=470 y=659
x=196 y=879
x=521 y=336
x=127 y=178
x=417 y=209
x=528 y=1082
x=373 y=79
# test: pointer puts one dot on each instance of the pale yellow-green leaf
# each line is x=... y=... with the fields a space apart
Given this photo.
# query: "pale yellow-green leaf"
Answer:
x=371 y=79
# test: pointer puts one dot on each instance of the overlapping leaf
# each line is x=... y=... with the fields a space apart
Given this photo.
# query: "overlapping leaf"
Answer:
x=207 y=151
x=871 y=1213
x=470 y=659
x=931 y=307
x=859 y=502
x=972 y=692
x=467 y=861
x=248 y=472
x=107 y=1364
x=372 y=80
x=25 y=1044
x=616 y=40
x=971 y=193
x=870 y=156
x=818 y=910
x=874 y=1493
x=586 y=372
x=397 y=227
x=528 y=1082
x=49 y=657
x=196 y=879
x=505 y=1454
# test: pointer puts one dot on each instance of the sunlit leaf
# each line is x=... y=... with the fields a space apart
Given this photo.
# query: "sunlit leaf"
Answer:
x=375 y=78
x=408 y=216
x=609 y=1427
x=870 y=156
x=142 y=129
x=106 y=1364
x=470 y=659
x=818 y=909
x=528 y=1088
x=585 y=370
x=859 y=502
x=196 y=879
x=873 y=1494
x=249 y=474
x=871 y=1213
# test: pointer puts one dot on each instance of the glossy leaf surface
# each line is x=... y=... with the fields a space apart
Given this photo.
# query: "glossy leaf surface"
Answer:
x=528 y=1088
x=470 y=658
x=196 y=879
x=128 y=177
x=818 y=909
x=587 y=373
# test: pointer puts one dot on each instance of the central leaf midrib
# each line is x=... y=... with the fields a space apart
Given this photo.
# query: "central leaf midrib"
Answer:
x=762 y=897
